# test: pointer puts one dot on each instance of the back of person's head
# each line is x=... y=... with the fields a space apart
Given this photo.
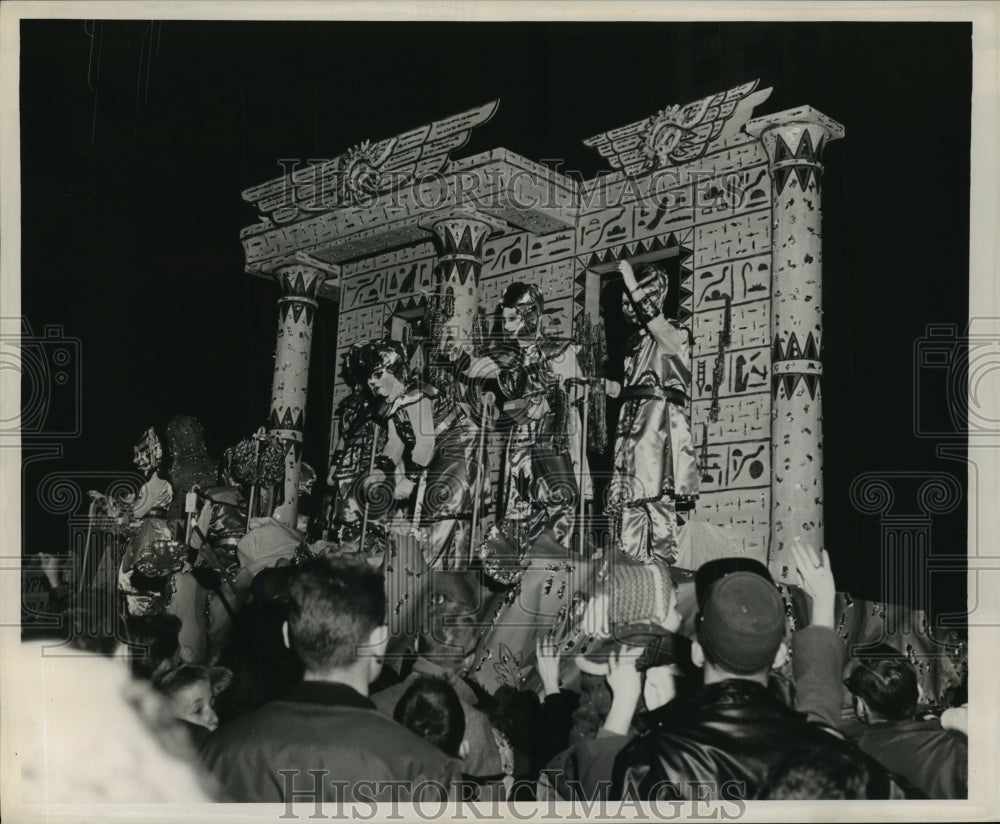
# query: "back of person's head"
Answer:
x=741 y=626
x=817 y=773
x=335 y=606
x=430 y=707
x=154 y=644
x=263 y=666
x=718 y=568
x=887 y=686
x=451 y=634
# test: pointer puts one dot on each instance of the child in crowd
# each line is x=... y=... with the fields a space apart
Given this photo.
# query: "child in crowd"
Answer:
x=191 y=691
x=430 y=707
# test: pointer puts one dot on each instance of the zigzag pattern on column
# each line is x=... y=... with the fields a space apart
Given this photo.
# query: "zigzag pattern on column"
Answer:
x=792 y=351
x=808 y=158
x=464 y=242
x=286 y=421
x=402 y=305
x=303 y=285
x=298 y=307
x=299 y=285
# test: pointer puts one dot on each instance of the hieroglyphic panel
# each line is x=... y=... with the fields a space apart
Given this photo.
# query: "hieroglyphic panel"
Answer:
x=406 y=254
x=732 y=238
x=740 y=418
x=733 y=193
x=744 y=513
x=742 y=465
x=409 y=279
x=604 y=228
x=739 y=280
x=366 y=289
x=745 y=371
x=741 y=153
x=504 y=254
x=556 y=278
x=358 y=326
x=671 y=210
x=551 y=247
x=750 y=325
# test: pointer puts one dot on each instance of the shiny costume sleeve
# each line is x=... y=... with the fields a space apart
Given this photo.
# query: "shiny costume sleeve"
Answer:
x=156 y=493
x=669 y=337
x=566 y=366
x=421 y=416
x=393 y=448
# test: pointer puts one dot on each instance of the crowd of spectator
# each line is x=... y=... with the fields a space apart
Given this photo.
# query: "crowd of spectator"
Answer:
x=302 y=702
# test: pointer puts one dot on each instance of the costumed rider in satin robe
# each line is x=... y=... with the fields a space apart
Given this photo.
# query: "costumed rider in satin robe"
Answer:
x=152 y=556
x=540 y=383
x=655 y=470
x=358 y=435
x=429 y=455
x=544 y=468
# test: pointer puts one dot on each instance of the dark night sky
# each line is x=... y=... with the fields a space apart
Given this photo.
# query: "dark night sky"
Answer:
x=131 y=204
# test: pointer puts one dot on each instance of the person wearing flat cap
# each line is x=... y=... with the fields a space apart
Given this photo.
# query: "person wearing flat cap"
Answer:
x=728 y=735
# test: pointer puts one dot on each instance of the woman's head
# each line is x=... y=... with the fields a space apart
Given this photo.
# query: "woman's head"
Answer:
x=654 y=283
x=154 y=645
x=430 y=707
x=191 y=691
x=382 y=366
x=521 y=308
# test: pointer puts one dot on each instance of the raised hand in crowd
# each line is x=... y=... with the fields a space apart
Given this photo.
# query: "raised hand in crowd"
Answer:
x=626 y=687
x=816 y=579
x=547 y=664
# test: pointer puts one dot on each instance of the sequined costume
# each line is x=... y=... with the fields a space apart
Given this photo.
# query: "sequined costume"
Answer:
x=350 y=462
x=543 y=462
x=444 y=499
x=192 y=465
x=528 y=548
x=655 y=468
x=152 y=556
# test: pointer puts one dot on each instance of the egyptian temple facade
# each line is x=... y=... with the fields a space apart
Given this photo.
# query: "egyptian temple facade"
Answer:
x=726 y=195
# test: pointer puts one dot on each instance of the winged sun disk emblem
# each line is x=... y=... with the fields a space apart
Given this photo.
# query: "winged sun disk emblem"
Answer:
x=679 y=134
x=368 y=170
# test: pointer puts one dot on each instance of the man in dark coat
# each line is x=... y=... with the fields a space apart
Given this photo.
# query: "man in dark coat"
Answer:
x=885 y=699
x=723 y=741
x=324 y=740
